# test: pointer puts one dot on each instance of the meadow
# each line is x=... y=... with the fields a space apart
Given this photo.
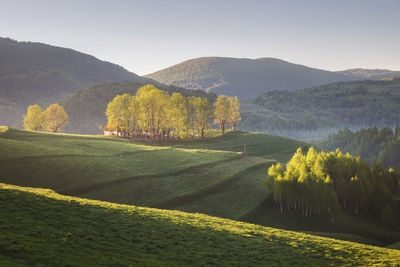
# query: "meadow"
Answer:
x=211 y=176
x=42 y=228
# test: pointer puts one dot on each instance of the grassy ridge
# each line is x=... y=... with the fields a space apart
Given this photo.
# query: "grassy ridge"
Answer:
x=41 y=227
x=211 y=176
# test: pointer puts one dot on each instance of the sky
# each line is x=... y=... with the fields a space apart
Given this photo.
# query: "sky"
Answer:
x=149 y=35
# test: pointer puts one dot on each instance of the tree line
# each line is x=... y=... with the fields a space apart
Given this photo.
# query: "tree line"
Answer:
x=327 y=182
x=53 y=119
x=371 y=144
x=152 y=113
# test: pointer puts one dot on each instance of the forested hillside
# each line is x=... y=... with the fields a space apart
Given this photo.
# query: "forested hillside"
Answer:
x=369 y=73
x=36 y=73
x=87 y=107
x=373 y=145
x=242 y=77
x=248 y=78
x=353 y=104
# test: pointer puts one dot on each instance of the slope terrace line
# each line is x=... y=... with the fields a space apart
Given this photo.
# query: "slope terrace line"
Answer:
x=191 y=197
x=91 y=188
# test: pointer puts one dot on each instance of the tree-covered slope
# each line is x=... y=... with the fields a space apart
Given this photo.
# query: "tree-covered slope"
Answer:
x=36 y=73
x=87 y=107
x=352 y=104
x=369 y=73
x=373 y=145
x=40 y=227
x=248 y=78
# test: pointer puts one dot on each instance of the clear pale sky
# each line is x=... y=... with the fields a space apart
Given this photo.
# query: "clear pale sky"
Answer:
x=146 y=36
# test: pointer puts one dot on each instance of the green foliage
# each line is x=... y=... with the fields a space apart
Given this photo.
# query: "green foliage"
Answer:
x=153 y=113
x=55 y=118
x=317 y=183
x=35 y=118
x=52 y=231
x=373 y=145
x=86 y=107
x=223 y=109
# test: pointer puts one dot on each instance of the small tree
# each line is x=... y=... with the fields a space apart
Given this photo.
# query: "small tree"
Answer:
x=235 y=114
x=204 y=113
x=34 y=120
x=56 y=118
x=223 y=107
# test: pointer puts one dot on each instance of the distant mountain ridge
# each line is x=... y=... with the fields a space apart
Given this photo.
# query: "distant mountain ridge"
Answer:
x=36 y=73
x=248 y=78
x=369 y=73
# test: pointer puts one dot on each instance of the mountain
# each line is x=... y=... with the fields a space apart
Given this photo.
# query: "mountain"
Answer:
x=354 y=104
x=86 y=107
x=36 y=73
x=248 y=78
x=364 y=74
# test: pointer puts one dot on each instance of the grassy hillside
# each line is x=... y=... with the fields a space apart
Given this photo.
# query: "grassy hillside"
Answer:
x=40 y=227
x=171 y=176
x=211 y=176
x=325 y=109
x=87 y=107
x=35 y=73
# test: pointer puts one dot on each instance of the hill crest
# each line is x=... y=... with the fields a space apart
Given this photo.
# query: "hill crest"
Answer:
x=248 y=78
x=37 y=73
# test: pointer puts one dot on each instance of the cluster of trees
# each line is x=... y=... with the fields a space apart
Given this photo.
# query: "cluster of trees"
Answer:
x=316 y=183
x=156 y=114
x=53 y=119
x=371 y=144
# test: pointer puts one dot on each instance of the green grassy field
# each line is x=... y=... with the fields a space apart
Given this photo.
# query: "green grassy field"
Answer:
x=212 y=176
x=42 y=228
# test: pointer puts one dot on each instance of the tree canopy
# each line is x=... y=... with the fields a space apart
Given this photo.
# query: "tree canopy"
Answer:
x=371 y=144
x=227 y=112
x=316 y=183
x=53 y=119
x=34 y=120
x=56 y=118
x=152 y=113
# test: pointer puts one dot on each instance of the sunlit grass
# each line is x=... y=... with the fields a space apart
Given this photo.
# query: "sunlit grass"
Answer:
x=41 y=227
